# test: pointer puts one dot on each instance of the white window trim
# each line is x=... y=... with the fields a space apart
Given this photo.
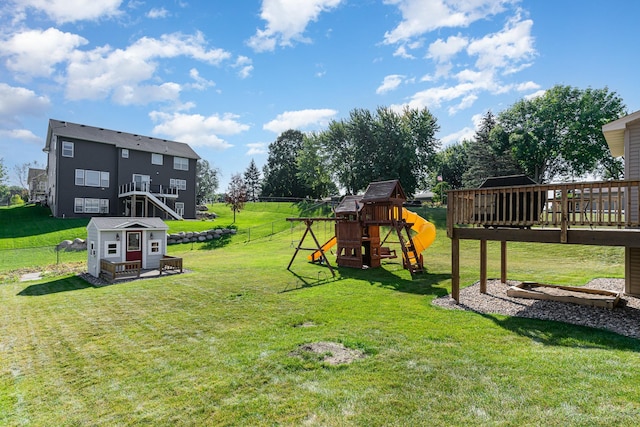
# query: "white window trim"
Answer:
x=125 y=153
x=155 y=243
x=71 y=145
x=180 y=208
x=107 y=243
x=157 y=159
x=181 y=163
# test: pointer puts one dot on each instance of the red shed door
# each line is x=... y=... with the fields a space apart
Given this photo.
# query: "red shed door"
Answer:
x=134 y=246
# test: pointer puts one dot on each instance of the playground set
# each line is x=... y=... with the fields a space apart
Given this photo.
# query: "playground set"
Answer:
x=358 y=221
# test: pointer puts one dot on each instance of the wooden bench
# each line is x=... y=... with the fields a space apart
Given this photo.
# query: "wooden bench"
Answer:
x=170 y=263
x=111 y=271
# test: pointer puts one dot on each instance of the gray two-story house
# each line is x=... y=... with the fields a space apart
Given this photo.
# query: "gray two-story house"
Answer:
x=100 y=172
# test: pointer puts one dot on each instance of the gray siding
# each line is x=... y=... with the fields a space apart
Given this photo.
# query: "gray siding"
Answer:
x=632 y=158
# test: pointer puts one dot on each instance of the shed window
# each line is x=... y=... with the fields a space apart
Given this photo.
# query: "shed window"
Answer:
x=112 y=249
x=154 y=246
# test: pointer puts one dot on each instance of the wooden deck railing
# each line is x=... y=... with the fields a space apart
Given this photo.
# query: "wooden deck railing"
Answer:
x=591 y=204
x=113 y=270
x=168 y=263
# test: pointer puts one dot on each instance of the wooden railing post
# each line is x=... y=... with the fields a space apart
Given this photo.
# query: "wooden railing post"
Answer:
x=564 y=215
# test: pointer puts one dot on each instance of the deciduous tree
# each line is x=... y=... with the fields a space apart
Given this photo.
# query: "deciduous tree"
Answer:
x=236 y=194
x=206 y=182
x=281 y=171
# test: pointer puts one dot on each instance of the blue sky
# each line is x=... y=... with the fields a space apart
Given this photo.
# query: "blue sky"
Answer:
x=228 y=76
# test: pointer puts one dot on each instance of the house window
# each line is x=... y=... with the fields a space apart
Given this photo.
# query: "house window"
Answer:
x=180 y=163
x=125 y=153
x=180 y=184
x=79 y=176
x=78 y=205
x=156 y=159
x=112 y=249
x=104 y=206
x=92 y=205
x=92 y=178
x=180 y=208
x=67 y=149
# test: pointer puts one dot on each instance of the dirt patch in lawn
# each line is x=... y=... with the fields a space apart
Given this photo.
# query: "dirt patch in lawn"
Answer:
x=332 y=353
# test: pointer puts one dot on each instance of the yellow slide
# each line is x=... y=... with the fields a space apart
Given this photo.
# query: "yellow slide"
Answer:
x=426 y=231
x=316 y=255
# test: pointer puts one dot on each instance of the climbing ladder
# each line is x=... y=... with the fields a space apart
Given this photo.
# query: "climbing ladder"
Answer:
x=411 y=259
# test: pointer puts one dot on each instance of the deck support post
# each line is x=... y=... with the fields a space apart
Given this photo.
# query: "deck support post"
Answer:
x=455 y=269
x=503 y=261
x=483 y=266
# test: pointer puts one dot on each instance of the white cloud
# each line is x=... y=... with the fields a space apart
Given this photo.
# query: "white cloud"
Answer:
x=18 y=101
x=443 y=50
x=63 y=11
x=536 y=94
x=97 y=74
x=257 y=148
x=391 y=82
x=198 y=130
x=299 y=119
x=21 y=134
x=244 y=65
x=419 y=16
x=36 y=53
x=200 y=82
x=158 y=13
x=466 y=133
x=526 y=86
x=512 y=45
x=287 y=21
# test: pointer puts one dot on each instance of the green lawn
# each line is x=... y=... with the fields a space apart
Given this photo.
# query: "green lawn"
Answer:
x=214 y=346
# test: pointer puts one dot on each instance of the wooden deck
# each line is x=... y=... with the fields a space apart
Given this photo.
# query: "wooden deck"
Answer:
x=604 y=213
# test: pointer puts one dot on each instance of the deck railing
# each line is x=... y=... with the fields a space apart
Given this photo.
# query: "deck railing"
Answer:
x=113 y=270
x=170 y=263
x=162 y=190
x=590 y=204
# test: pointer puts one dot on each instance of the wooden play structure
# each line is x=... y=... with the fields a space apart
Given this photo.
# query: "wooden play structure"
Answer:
x=358 y=222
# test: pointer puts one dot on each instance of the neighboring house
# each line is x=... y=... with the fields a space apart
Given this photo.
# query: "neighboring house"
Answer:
x=37 y=182
x=99 y=172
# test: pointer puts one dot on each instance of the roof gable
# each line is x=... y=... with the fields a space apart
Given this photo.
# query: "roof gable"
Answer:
x=614 y=132
x=349 y=205
x=382 y=191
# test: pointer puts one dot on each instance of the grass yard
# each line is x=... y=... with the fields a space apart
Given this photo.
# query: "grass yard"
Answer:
x=217 y=345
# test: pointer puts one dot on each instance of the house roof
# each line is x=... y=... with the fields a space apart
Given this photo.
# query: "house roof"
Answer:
x=120 y=223
x=119 y=139
x=614 y=133
x=384 y=190
x=35 y=173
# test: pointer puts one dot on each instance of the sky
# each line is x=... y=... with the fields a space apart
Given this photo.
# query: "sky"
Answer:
x=229 y=76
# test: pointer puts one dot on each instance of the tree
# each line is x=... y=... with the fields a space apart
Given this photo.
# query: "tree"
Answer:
x=451 y=164
x=559 y=134
x=385 y=145
x=252 y=181
x=4 y=190
x=281 y=171
x=488 y=154
x=3 y=172
x=22 y=172
x=236 y=195
x=314 y=167
x=206 y=182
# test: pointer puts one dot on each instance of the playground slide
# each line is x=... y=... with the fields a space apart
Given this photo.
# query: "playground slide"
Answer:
x=426 y=231
x=316 y=255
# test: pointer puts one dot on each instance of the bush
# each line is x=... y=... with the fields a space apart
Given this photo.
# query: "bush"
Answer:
x=16 y=200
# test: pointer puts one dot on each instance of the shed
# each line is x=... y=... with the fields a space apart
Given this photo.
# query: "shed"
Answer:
x=121 y=239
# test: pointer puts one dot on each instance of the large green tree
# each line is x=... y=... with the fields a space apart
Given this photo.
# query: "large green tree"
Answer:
x=4 y=190
x=488 y=153
x=280 y=173
x=314 y=167
x=252 y=181
x=383 y=145
x=206 y=182
x=450 y=165
x=559 y=134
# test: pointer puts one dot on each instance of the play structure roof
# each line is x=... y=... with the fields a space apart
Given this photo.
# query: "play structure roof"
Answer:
x=383 y=191
x=349 y=205
x=116 y=223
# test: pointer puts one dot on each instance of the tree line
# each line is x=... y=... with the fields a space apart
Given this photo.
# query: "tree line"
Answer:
x=555 y=136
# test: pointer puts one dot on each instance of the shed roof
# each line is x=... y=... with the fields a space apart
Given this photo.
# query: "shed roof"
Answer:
x=119 y=139
x=382 y=191
x=614 y=133
x=120 y=223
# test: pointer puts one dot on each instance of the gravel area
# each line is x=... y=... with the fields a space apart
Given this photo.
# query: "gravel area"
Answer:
x=624 y=319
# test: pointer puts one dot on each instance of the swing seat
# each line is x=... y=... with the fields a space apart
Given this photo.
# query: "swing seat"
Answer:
x=386 y=252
